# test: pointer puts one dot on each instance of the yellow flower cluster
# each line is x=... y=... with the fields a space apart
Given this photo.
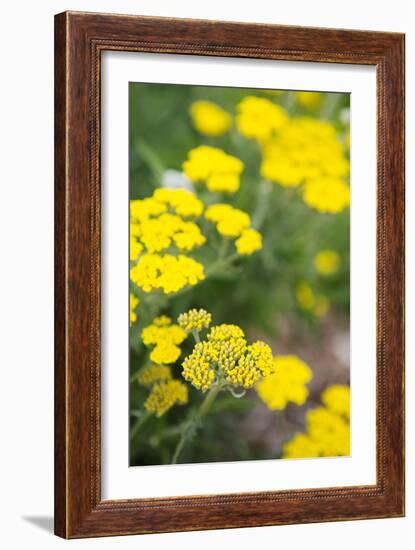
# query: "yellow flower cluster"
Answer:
x=337 y=399
x=231 y=223
x=327 y=262
x=182 y=202
x=308 y=151
x=286 y=384
x=327 y=194
x=311 y=100
x=166 y=338
x=249 y=242
x=259 y=118
x=304 y=148
x=153 y=373
x=160 y=233
x=308 y=301
x=210 y=119
x=168 y=273
x=194 y=319
x=157 y=224
x=133 y=304
x=164 y=395
x=226 y=358
x=220 y=171
x=328 y=428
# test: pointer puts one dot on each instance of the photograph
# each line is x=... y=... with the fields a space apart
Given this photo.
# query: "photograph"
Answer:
x=239 y=268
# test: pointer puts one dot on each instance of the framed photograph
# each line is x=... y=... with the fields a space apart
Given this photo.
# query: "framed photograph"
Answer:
x=229 y=277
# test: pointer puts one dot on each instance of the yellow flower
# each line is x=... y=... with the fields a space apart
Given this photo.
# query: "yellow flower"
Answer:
x=153 y=373
x=327 y=195
x=226 y=358
x=216 y=168
x=305 y=296
x=164 y=395
x=143 y=209
x=210 y=119
x=162 y=321
x=183 y=202
x=312 y=100
x=337 y=399
x=133 y=304
x=301 y=446
x=328 y=428
x=327 y=262
x=286 y=384
x=159 y=334
x=165 y=353
x=194 y=319
x=304 y=149
x=330 y=431
x=249 y=242
x=230 y=221
x=198 y=367
x=258 y=117
x=135 y=248
x=168 y=273
x=188 y=237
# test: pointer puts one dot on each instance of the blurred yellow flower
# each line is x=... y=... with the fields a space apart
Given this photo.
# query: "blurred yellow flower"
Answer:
x=328 y=428
x=286 y=384
x=309 y=301
x=301 y=446
x=135 y=248
x=337 y=399
x=304 y=149
x=258 y=118
x=164 y=395
x=168 y=273
x=327 y=262
x=166 y=337
x=249 y=242
x=182 y=202
x=216 y=168
x=210 y=119
x=143 y=209
x=230 y=221
x=133 y=304
x=312 y=100
x=327 y=195
x=153 y=373
x=226 y=358
x=305 y=296
x=194 y=319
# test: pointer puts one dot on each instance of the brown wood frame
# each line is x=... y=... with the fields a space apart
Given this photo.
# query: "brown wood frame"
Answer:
x=79 y=40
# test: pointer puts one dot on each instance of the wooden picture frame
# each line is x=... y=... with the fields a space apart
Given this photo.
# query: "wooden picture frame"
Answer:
x=79 y=40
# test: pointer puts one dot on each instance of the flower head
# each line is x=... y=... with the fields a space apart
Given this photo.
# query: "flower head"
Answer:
x=194 y=319
x=230 y=221
x=209 y=119
x=213 y=166
x=286 y=384
x=249 y=242
x=328 y=427
x=337 y=399
x=327 y=194
x=327 y=262
x=164 y=395
x=311 y=100
x=168 y=273
x=153 y=373
x=166 y=337
x=258 y=117
x=226 y=358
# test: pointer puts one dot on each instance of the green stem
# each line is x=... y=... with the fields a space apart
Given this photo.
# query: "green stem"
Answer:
x=192 y=425
x=138 y=423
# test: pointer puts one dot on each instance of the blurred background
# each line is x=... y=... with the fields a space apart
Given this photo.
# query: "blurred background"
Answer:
x=281 y=294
